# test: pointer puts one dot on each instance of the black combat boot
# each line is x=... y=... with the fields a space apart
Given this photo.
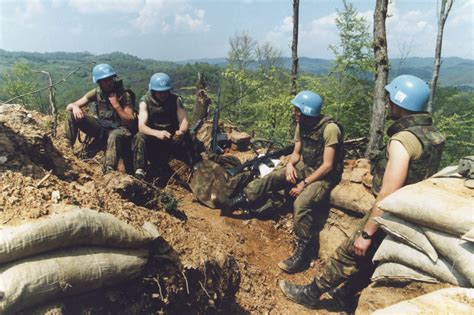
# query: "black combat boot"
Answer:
x=300 y=260
x=307 y=295
x=228 y=205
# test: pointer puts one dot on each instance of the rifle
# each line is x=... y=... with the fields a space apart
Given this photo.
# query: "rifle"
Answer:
x=254 y=163
x=218 y=139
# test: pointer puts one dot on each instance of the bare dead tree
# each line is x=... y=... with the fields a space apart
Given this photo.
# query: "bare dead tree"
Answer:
x=381 y=76
x=443 y=16
x=294 y=47
x=201 y=107
x=52 y=103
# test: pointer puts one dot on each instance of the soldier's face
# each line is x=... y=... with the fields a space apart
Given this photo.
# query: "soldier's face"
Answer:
x=107 y=84
x=296 y=114
x=162 y=96
x=393 y=111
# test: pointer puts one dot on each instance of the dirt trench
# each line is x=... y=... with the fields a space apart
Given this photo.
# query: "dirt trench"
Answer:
x=216 y=264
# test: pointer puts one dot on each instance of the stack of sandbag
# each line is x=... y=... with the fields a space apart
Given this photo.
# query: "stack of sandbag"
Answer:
x=430 y=233
x=444 y=301
x=67 y=254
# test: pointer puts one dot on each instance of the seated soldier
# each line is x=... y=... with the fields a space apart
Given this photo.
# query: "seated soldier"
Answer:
x=163 y=127
x=314 y=168
x=412 y=154
x=115 y=119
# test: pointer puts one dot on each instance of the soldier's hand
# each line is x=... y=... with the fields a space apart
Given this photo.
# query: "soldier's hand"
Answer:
x=114 y=100
x=361 y=245
x=77 y=112
x=297 y=190
x=291 y=173
x=162 y=134
x=178 y=135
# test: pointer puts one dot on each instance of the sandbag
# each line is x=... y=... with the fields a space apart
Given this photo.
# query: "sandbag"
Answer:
x=393 y=251
x=424 y=204
x=469 y=236
x=393 y=272
x=459 y=253
x=444 y=301
x=352 y=196
x=408 y=233
x=72 y=228
x=55 y=275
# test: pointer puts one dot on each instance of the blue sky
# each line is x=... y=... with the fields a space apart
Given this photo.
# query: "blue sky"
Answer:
x=191 y=29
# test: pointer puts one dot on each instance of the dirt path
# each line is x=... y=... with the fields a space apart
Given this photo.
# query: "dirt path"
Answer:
x=258 y=246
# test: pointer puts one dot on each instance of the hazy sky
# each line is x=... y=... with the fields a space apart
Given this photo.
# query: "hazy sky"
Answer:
x=190 y=29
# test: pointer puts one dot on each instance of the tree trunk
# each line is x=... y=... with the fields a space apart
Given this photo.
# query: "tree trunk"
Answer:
x=443 y=15
x=294 y=47
x=381 y=75
x=201 y=107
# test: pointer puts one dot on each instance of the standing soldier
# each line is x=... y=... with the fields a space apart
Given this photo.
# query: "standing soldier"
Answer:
x=115 y=118
x=162 y=125
x=314 y=168
x=413 y=153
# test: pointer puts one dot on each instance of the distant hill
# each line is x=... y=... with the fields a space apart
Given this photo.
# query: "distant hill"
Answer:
x=454 y=71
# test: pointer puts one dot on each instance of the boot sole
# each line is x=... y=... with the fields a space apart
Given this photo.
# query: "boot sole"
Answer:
x=293 y=299
x=283 y=267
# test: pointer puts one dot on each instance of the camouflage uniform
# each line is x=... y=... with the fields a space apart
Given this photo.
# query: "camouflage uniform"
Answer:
x=117 y=139
x=312 y=150
x=161 y=116
x=345 y=265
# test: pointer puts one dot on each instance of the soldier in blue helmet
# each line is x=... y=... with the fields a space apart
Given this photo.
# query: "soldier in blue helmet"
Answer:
x=113 y=121
x=314 y=168
x=163 y=127
x=412 y=154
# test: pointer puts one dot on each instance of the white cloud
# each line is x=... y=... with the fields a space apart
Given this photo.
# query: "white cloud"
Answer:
x=405 y=29
x=462 y=14
x=170 y=15
x=108 y=6
x=56 y=4
x=186 y=22
x=76 y=29
x=26 y=11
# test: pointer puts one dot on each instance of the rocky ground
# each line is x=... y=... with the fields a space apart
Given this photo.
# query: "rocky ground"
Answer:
x=216 y=264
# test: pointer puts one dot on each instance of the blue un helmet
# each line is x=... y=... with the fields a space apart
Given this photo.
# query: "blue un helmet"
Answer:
x=409 y=92
x=102 y=71
x=160 y=82
x=309 y=103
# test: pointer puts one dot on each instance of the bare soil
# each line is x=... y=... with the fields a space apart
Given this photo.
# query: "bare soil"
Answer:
x=217 y=264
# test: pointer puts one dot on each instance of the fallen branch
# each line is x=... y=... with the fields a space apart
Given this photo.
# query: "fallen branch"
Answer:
x=44 y=178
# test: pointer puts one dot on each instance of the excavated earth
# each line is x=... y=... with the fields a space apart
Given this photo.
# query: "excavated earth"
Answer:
x=216 y=264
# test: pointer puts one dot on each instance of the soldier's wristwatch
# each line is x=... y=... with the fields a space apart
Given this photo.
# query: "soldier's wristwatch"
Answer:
x=366 y=236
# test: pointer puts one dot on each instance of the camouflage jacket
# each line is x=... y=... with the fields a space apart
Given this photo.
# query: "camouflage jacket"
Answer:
x=432 y=140
x=312 y=148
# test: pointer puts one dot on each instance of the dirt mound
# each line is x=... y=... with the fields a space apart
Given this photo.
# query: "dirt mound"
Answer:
x=216 y=264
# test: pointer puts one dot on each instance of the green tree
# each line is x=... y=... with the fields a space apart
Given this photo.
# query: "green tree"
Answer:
x=454 y=115
x=347 y=90
x=21 y=79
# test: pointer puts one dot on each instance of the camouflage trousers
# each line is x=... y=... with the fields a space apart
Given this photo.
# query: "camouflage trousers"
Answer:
x=345 y=267
x=158 y=152
x=117 y=141
x=312 y=196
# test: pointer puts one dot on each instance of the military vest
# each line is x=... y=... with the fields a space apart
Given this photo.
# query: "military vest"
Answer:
x=162 y=116
x=105 y=110
x=421 y=125
x=312 y=148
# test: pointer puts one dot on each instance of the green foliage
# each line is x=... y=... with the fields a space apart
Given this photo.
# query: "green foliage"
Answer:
x=454 y=115
x=21 y=80
x=354 y=55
